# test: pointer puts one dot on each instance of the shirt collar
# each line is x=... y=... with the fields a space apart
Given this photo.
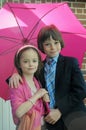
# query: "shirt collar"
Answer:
x=55 y=58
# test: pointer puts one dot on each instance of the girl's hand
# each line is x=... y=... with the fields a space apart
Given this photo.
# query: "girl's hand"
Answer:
x=41 y=92
x=15 y=80
x=46 y=98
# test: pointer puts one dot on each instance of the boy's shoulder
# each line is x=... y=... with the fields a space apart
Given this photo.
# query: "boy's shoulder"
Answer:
x=69 y=58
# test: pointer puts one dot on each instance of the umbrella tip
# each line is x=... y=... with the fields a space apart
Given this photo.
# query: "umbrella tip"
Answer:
x=25 y=41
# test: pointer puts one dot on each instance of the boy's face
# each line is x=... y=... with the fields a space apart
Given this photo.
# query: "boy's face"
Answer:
x=51 y=47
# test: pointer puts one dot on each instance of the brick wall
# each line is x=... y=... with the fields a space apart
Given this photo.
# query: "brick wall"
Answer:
x=77 y=6
x=79 y=9
x=84 y=66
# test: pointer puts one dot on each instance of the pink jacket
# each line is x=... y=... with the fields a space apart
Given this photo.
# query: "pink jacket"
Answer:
x=22 y=94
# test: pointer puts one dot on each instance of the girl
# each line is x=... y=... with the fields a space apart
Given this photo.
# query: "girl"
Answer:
x=26 y=101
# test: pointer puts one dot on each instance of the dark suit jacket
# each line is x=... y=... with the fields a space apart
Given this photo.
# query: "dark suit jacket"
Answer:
x=70 y=87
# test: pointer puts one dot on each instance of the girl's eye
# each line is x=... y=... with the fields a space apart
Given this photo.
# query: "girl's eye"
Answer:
x=34 y=60
x=25 y=61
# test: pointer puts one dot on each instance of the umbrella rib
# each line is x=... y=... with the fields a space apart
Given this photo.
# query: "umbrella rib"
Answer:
x=9 y=38
x=23 y=8
x=16 y=20
x=34 y=28
x=9 y=50
x=73 y=33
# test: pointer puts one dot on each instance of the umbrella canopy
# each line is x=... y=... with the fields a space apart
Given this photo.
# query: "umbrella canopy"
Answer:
x=20 y=23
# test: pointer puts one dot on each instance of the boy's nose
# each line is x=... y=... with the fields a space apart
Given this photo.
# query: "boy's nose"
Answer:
x=52 y=46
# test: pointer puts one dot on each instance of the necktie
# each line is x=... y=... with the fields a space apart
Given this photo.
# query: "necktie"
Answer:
x=50 y=80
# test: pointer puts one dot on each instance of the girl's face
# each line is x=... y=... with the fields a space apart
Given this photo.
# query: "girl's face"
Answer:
x=29 y=62
x=51 y=47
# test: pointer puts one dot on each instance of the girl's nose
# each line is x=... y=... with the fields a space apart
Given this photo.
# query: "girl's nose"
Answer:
x=30 y=63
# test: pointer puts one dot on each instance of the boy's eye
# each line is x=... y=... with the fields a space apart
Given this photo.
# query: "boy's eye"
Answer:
x=47 y=44
x=57 y=42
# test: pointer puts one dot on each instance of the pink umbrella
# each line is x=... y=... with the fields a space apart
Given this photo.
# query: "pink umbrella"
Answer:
x=20 y=23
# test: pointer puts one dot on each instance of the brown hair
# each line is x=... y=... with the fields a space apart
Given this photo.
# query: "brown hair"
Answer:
x=45 y=34
x=18 y=56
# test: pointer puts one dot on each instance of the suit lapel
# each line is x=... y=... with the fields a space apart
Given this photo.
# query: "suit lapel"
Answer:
x=59 y=69
x=41 y=77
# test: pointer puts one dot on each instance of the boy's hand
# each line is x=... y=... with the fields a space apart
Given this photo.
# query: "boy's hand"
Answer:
x=15 y=80
x=53 y=116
